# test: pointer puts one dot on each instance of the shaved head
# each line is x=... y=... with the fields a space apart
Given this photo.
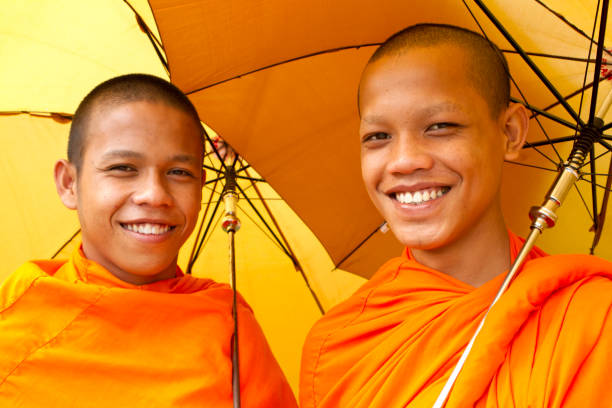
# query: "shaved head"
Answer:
x=117 y=91
x=488 y=69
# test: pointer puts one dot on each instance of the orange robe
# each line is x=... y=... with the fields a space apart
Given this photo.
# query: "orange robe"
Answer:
x=73 y=335
x=547 y=342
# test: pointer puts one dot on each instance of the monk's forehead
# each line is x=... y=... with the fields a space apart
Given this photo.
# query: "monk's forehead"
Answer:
x=448 y=58
x=103 y=107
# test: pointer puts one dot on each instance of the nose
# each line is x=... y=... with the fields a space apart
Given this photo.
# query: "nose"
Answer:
x=409 y=154
x=153 y=190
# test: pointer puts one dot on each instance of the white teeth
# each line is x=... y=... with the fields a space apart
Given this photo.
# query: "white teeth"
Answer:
x=147 y=228
x=405 y=198
x=418 y=197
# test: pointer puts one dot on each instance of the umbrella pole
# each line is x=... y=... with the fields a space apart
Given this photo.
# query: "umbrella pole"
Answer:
x=542 y=217
x=231 y=224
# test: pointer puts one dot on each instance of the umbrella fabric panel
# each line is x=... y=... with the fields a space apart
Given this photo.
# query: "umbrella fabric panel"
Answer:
x=209 y=41
x=34 y=221
x=54 y=51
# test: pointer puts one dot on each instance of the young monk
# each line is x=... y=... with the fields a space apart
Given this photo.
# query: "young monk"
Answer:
x=119 y=324
x=436 y=126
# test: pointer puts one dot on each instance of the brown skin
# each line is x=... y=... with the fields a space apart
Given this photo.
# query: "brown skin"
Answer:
x=426 y=126
x=141 y=165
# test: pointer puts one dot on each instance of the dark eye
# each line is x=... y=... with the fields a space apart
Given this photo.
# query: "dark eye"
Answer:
x=442 y=126
x=180 y=172
x=121 y=168
x=376 y=136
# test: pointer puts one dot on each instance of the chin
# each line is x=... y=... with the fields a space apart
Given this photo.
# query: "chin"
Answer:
x=419 y=238
x=148 y=268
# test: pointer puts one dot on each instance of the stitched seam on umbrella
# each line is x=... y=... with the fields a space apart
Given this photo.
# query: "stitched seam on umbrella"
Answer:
x=52 y=338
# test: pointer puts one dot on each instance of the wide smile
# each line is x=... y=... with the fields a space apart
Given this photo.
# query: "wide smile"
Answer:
x=148 y=228
x=420 y=196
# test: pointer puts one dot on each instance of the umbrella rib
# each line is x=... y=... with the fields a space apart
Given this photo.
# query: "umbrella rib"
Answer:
x=606 y=127
x=193 y=249
x=594 y=189
x=549 y=142
x=542 y=129
x=294 y=261
x=296 y=264
x=210 y=142
x=359 y=245
x=267 y=208
x=595 y=174
x=65 y=244
x=205 y=166
x=599 y=156
x=586 y=206
x=527 y=60
x=553 y=56
x=313 y=54
x=599 y=56
x=566 y=21
x=533 y=166
x=210 y=221
x=605 y=144
x=520 y=51
x=603 y=187
x=579 y=91
x=591 y=180
x=263 y=220
x=604 y=209
x=251 y=178
x=586 y=73
x=141 y=20
x=155 y=42
x=214 y=180
x=259 y=227
x=544 y=113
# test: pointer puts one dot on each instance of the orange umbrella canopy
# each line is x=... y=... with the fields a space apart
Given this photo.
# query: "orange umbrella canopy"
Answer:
x=278 y=80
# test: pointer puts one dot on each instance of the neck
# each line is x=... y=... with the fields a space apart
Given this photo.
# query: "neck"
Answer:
x=476 y=257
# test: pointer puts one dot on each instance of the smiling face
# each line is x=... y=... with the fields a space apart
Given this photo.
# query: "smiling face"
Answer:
x=139 y=190
x=431 y=149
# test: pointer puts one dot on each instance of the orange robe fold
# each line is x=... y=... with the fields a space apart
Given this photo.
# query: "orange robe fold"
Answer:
x=393 y=343
x=73 y=335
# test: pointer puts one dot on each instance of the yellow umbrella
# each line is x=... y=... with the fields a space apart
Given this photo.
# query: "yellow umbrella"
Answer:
x=53 y=53
x=278 y=80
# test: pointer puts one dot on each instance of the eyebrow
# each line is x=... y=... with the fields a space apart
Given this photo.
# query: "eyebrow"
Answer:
x=122 y=154
x=427 y=111
x=130 y=154
x=442 y=107
x=185 y=158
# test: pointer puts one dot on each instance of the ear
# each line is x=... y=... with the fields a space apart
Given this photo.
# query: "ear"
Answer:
x=65 y=182
x=515 y=126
